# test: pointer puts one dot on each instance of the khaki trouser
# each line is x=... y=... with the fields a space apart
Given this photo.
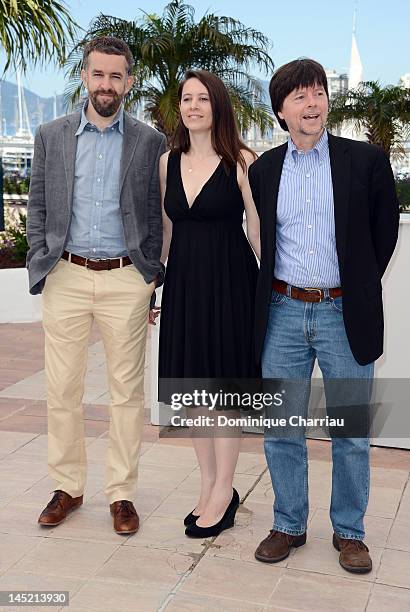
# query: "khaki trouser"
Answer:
x=118 y=300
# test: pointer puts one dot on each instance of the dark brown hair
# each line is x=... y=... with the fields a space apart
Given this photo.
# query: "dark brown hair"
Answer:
x=111 y=46
x=226 y=139
x=300 y=73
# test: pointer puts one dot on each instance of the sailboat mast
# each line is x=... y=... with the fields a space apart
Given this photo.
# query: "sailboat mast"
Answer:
x=20 y=105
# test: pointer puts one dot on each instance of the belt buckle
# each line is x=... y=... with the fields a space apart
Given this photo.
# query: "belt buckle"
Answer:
x=87 y=259
x=315 y=289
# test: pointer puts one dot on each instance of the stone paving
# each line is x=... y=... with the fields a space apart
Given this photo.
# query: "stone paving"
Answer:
x=159 y=568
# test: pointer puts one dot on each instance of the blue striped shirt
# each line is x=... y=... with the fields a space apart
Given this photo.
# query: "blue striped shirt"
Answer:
x=96 y=228
x=305 y=227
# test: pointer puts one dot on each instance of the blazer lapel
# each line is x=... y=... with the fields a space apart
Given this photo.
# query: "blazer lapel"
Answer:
x=273 y=173
x=270 y=190
x=69 y=149
x=131 y=137
x=340 y=162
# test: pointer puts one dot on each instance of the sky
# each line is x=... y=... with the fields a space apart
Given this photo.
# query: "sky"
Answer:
x=320 y=29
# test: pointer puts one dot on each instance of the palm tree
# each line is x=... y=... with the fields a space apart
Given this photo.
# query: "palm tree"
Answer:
x=165 y=47
x=34 y=31
x=383 y=112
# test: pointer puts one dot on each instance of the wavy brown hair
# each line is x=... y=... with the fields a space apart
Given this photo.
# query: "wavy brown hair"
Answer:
x=226 y=139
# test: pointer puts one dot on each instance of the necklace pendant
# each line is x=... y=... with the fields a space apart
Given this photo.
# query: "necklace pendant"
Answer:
x=189 y=170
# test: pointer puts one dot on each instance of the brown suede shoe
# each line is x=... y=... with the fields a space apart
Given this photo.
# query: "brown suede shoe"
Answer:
x=126 y=519
x=57 y=509
x=354 y=555
x=277 y=545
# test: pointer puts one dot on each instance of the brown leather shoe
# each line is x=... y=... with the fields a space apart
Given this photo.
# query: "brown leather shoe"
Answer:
x=57 y=509
x=126 y=519
x=354 y=555
x=277 y=545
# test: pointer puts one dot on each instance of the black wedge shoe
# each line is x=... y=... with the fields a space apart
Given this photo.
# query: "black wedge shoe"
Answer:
x=227 y=521
x=190 y=519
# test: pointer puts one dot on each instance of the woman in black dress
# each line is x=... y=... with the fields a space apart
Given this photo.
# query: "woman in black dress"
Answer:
x=207 y=312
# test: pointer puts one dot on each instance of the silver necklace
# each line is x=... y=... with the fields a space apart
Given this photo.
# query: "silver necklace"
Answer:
x=190 y=169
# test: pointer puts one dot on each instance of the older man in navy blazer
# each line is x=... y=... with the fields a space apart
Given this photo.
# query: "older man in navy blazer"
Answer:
x=329 y=222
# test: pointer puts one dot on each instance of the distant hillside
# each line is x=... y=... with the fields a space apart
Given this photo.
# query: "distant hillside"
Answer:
x=40 y=110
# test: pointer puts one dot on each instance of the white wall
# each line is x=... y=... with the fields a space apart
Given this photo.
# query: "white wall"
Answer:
x=395 y=362
x=16 y=304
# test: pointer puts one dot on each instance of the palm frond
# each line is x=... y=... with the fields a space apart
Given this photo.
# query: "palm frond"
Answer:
x=383 y=113
x=250 y=110
x=35 y=32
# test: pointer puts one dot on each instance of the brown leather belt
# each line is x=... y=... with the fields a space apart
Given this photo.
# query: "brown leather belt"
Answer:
x=308 y=294
x=97 y=264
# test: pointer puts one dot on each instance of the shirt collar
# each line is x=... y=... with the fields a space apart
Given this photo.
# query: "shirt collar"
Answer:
x=321 y=148
x=117 y=121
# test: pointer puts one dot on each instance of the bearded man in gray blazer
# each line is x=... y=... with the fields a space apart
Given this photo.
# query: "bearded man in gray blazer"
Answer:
x=95 y=236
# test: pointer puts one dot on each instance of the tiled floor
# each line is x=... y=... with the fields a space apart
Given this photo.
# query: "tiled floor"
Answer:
x=159 y=568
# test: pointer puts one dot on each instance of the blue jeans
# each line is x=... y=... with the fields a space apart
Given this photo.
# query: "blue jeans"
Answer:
x=297 y=334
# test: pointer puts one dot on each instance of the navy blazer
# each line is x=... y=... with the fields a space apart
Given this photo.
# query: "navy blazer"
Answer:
x=366 y=213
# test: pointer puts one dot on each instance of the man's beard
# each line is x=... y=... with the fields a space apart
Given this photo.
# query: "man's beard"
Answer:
x=109 y=107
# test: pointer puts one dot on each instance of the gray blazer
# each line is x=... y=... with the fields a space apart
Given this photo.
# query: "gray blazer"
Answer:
x=51 y=196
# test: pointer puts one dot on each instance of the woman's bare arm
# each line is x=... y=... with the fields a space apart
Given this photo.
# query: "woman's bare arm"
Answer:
x=252 y=217
x=166 y=222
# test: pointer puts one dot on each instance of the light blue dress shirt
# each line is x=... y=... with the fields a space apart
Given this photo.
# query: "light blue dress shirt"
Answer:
x=306 y=253
x=96 y=228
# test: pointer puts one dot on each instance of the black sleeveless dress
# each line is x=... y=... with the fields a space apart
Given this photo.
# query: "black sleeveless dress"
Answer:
x=207 y=311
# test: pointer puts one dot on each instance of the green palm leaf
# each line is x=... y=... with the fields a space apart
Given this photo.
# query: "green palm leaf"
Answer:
x=34 y=31
x=383 y=113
